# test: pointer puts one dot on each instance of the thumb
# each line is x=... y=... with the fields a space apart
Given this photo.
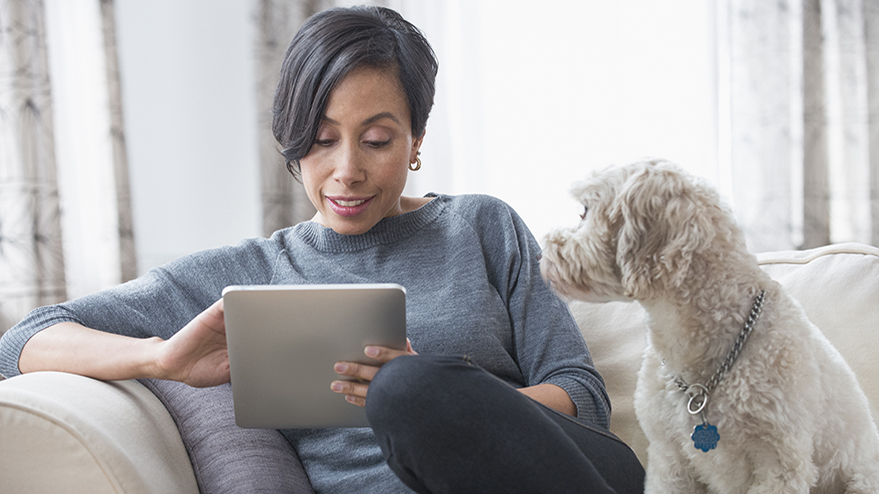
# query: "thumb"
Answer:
x=214 y=316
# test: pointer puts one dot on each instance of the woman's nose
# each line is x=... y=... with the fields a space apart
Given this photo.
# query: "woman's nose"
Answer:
x=349 y=167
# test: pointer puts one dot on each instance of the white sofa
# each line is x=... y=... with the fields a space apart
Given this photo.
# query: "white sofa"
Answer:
x=65 y=433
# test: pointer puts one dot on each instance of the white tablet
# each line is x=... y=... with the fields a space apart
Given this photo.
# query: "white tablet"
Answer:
x=283 y=342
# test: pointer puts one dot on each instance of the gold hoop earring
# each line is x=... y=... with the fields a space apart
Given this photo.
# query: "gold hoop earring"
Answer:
x=417 y=164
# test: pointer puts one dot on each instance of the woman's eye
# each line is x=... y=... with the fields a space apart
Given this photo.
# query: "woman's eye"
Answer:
x=377 y=144
x=585 y=211
x=324 y=142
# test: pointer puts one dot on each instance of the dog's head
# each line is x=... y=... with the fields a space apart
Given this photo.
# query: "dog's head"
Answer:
x=644 y=226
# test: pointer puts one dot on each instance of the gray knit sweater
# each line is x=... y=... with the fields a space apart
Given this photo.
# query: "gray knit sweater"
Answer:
x=470 y=269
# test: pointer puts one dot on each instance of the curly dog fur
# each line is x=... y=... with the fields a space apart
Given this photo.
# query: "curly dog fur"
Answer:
x=790 y=413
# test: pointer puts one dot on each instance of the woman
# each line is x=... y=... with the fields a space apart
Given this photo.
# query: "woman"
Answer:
x=350 y=111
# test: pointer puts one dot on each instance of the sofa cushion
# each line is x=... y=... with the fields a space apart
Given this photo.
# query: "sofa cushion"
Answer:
x=837 y=285
x=225 y=457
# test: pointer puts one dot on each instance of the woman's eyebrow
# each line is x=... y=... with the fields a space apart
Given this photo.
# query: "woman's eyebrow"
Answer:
x=380 y=116
x=372 y=119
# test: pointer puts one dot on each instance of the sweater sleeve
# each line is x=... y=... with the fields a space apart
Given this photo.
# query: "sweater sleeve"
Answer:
x=158 y=303
x=547 y=343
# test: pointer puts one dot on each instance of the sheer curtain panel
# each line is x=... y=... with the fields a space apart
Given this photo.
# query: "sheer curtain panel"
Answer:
x=284 y=202
x=31 y=260
x=65 y=209
x=803 y=119
x=96 y=215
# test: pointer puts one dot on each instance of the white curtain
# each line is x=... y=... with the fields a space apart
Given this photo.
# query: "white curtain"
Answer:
x=31 y=260
x=96 y=216
x=65 y=214
x=801 y=93
x=284 y=202
x=120 y=200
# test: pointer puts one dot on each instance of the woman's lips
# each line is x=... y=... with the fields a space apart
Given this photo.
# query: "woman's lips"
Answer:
x=348 y=206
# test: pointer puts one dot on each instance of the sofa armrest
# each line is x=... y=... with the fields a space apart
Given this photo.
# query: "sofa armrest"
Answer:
x=67 y=433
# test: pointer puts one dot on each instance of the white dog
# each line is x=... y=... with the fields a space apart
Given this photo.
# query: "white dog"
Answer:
x=728 y=353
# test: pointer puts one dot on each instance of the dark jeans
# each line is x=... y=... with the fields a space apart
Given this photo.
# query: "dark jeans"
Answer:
x=446 y=425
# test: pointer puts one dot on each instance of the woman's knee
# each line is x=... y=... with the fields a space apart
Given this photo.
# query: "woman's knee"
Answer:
x=410 y=385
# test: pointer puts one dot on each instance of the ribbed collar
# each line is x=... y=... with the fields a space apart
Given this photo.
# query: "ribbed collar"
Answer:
x=386 y=231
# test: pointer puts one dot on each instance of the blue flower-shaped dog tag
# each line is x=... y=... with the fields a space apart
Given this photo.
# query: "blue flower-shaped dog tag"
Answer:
x=705 y=437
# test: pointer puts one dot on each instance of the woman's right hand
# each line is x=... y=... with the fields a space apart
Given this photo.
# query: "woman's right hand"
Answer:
x=197 y=354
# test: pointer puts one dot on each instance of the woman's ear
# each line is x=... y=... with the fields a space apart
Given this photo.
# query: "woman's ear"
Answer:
x=416 y=147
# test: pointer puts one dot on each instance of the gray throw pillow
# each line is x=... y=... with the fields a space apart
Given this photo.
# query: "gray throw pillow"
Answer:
x=225 y=457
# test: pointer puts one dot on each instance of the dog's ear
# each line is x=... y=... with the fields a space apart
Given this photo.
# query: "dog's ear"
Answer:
x=659 y=211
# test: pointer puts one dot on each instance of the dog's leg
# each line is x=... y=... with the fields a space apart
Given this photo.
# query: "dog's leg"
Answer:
x=783 y=466
x=864 y=483
x=856 y=459
x=668 y=472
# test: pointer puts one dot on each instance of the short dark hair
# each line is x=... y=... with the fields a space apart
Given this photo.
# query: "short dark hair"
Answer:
x=330 y=45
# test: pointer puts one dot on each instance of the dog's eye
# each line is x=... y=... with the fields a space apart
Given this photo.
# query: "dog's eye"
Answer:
x=585 y=210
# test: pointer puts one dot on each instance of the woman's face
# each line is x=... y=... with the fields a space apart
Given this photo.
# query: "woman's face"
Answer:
x=355 y=172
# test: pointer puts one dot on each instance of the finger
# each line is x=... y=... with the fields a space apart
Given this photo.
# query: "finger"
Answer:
x=355 y=393
x=358 y=371
x=385 y=354
x=210 y=320
x=350 y=388
x=356 y=400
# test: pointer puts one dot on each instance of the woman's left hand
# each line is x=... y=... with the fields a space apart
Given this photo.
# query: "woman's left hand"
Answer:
x=355 y=391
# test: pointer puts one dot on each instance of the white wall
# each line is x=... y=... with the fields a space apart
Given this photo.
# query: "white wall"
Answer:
x=535 y=96
x=190 y=122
